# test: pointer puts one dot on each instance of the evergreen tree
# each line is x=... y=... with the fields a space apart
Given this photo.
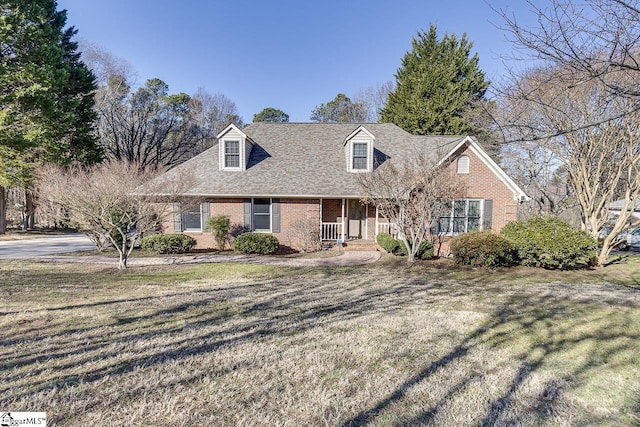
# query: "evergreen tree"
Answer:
x=438 y=87
x=340 y=110
x=46 y=93
x=272 y=115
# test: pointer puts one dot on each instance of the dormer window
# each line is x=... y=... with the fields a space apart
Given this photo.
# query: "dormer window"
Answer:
x=231 y=154
x=235 y=149
x=359 y=150
x=360 y=158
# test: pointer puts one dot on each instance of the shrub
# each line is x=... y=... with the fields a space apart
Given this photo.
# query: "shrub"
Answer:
x=388 y=243
x=397 y=247
x=550 y=243
x=220 y=226
x=168 y=243
x=482 y=249
x=256 y=243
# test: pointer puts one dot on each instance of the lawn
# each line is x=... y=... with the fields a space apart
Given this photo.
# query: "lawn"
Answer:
x=381 y=345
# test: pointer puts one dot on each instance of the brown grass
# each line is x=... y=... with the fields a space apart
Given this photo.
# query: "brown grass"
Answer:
x=386 y=345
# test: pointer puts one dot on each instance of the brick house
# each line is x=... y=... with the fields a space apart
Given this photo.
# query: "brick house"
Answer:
x=271 y=177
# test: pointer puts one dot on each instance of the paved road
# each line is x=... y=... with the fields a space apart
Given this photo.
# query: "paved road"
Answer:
x=29 y=248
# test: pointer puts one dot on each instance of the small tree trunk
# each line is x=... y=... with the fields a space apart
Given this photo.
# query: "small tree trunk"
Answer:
x=28 y=221
x=3 y=210
x=124 y=254
x=604 y=251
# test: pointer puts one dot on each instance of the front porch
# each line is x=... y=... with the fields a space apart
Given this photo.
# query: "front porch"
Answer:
x=344 y=220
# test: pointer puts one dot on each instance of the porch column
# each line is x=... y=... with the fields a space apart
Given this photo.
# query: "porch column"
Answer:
x=321 y=230
x=342 y=232
x=366 y=221
x=375 y=232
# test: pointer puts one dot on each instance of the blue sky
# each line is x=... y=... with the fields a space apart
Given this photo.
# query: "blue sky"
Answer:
x=292 y=55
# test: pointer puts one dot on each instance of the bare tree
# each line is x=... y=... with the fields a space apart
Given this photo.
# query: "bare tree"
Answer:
x=581 y=100
x=104 y=64
x=147 y=125
x=601 y=158
x=373 y=98
x=115 y=202
x=587 y=40
x=212 y=113
x=542 y=174
x=413 y=194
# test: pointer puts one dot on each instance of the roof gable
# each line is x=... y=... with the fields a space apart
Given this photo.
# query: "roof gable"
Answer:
x=360 y=130
x=472 y=144
x=229 y=128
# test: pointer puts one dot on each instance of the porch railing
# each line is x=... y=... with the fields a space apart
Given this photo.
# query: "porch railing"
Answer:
x=387 y=227
x=331 y=230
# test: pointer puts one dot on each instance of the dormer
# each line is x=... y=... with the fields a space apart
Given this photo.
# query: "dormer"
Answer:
x=358 y=147
x=234 y=149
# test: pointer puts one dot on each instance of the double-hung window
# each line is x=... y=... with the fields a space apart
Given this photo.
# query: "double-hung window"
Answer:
x=262 y=214
x=463 y=216
x=232 y=154
x=192 y=219
x=360 y=157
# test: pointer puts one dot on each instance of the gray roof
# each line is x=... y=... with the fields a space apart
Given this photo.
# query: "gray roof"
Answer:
x=301 y=160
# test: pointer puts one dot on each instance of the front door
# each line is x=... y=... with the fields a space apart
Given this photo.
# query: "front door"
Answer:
x=356 y=222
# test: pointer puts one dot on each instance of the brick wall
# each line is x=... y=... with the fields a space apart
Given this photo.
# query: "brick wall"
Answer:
x=482 y=183
x=296 y=215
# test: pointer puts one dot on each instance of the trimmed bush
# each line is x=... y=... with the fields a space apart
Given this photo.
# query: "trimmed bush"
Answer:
x=168 y=243
x=256 y=243
x=389 y=244
x=219 y=226
x=397 y=247
x=482 y=249
x=551 y=243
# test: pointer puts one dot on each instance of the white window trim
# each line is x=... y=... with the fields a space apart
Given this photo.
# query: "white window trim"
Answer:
x=466 y=170
x=466 y=215
x=369 y=156
x=253 y=213
x=192 y=230
x=223 y=156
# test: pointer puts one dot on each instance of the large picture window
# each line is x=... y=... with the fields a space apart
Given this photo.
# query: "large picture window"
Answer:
x=232 y=154
x=464 y=216
x=262 y=214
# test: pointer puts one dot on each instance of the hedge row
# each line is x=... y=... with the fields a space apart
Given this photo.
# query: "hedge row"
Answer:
x=539 y=242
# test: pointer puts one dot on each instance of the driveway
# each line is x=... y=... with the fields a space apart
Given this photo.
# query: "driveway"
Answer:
x=28 y=248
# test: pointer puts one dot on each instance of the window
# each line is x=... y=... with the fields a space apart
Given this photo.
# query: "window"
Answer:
x=463 y=164
x=262 y=214
x=464 y=216
x=232 y=154
x=192 y=220
x=360 y=156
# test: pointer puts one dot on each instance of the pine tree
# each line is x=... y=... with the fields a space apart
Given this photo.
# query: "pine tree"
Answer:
x=46 y=94
x=438 y=87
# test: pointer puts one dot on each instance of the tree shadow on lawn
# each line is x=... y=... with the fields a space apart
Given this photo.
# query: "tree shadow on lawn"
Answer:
x=546 y=317
x=548 y=326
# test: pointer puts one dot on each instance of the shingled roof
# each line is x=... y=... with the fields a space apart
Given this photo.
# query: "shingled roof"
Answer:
x=302 y=160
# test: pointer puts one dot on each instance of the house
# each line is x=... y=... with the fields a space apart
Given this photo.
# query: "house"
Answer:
x=272 y=177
